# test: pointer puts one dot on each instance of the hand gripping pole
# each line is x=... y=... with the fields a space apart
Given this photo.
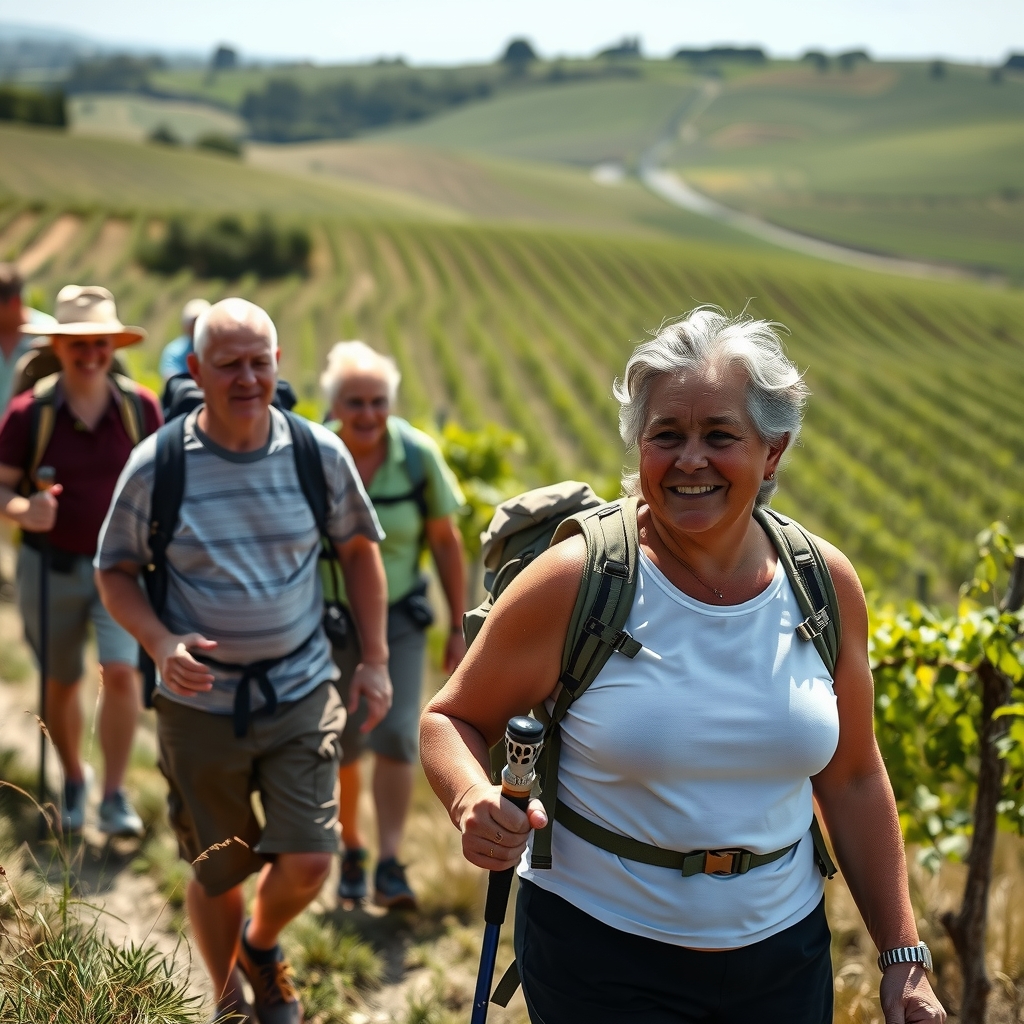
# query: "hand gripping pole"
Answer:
x=524 y=738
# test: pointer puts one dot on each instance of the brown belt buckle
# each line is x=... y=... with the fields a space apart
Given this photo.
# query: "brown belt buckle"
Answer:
x=721 y=862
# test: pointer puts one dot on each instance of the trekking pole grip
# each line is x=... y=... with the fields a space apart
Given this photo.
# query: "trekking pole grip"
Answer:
x=524 y=738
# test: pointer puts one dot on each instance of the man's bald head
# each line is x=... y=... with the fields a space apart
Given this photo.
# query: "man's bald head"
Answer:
x=230 y=316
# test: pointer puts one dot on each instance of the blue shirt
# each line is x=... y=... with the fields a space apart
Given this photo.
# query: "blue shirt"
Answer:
x=174 y=357
x=7 y=364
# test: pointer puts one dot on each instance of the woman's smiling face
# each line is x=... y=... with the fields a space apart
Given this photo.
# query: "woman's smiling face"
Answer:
x=702 y=461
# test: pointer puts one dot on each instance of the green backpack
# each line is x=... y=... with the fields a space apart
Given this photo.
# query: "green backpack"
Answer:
x=520 y=529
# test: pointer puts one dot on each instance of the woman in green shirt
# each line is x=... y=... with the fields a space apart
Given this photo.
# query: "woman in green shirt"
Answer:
x=415 y=495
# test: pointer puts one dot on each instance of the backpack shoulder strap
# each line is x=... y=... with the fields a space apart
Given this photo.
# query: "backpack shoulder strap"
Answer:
x=133 y=413
x=595 y=630
x=164 y=509
x=310 y=470
x=415 y=468
x=42 y=418
x=811 y=581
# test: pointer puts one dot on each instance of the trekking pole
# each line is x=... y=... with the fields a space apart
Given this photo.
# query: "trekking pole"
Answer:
x=45 y=478
x=523 y=739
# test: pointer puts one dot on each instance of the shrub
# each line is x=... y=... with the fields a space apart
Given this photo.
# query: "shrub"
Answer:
x=32 y=106
x=164 y=135
x=215 y=142
x=228 y=248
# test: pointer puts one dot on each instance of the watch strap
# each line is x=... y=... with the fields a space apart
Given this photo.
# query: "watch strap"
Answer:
x=919 y=954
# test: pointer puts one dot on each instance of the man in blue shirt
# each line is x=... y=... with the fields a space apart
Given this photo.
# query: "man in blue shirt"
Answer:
x=13 y=317
x=174 y=358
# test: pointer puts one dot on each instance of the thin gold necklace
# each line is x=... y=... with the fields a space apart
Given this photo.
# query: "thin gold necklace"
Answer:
x=700 y=579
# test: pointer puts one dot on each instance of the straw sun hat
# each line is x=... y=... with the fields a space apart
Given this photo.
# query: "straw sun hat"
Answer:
x=86 y=311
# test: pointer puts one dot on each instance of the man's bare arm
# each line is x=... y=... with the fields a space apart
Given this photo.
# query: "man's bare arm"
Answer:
x=124 y=598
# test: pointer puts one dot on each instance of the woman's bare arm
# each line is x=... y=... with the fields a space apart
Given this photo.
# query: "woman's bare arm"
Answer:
x=512 y=666
x=859 y=809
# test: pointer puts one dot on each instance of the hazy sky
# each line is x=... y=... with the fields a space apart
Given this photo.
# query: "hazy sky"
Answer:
x=443 y=31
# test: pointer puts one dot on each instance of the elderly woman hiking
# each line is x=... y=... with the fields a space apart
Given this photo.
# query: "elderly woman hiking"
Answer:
x=415 y=495
x=84 y=423
x=712 y=741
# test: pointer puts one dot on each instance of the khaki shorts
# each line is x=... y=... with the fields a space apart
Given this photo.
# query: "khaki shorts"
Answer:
x=290 y=758
x=74 y=605
x=397 y=735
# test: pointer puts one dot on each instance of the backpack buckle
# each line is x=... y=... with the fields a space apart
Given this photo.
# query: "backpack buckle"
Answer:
x=617 y=639
x=726 y=862
x=814 y=625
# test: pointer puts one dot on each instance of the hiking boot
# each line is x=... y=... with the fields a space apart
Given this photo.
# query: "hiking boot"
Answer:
x=391 y=889
x=233 y=1007
x=76 y=796
x=276 y=1000
x=352 y=881
x=118 y=817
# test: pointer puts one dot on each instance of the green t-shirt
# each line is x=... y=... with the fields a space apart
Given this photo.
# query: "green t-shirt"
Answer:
x=403 y=528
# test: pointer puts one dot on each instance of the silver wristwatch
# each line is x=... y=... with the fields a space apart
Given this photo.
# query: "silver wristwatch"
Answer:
x=919 y=954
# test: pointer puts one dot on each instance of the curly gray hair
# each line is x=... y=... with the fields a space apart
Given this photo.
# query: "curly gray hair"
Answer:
x=707 y=336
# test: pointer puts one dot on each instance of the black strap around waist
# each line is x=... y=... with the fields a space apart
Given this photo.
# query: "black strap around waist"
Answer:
x=696 y=862
x=258 y=672
x=61 y=561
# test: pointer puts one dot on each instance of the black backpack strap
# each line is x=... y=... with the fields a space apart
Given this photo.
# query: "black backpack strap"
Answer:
x=417 y=474
x=595 y=631
x=811 y=581
x=310 y=470
x=165 y=506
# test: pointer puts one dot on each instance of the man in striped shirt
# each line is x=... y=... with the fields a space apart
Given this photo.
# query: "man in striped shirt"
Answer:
x=242 y=588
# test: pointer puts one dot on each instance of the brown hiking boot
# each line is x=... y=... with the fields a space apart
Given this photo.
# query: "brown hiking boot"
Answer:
x=275 y=995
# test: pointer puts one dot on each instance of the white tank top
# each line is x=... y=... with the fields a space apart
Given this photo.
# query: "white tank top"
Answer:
x=706 y=740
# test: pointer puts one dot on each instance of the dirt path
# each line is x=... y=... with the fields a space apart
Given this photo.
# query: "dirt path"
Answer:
x=429 y=960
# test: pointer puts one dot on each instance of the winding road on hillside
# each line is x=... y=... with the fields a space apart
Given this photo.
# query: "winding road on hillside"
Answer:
x=673 y=189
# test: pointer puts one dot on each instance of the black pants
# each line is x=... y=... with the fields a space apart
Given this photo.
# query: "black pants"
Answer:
x=576 y=970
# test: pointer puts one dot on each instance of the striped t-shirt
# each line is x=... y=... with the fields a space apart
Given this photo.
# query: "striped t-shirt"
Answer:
x=242 y=565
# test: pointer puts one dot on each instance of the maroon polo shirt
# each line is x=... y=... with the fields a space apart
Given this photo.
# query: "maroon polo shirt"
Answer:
x=87 y=462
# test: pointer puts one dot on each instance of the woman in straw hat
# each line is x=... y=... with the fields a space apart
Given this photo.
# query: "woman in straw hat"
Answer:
x=82 y=421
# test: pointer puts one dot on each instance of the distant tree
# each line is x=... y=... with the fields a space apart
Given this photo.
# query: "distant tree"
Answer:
x=817 y=58
x=748 y=54
x=1015 y=62
x=164 y=135
x=518 y=54
x=628 y=47
x=119 y=73
x=215 y=142
x=849 y=60
x=224 y=58
x=32 y=106
x=937 y=69
x=228 y=248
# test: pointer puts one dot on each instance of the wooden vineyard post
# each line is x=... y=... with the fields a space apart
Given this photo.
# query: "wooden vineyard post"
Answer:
x=967 y=927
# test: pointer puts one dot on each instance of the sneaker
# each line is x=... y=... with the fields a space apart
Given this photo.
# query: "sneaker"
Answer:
x=76 y=796
x=118 y=817
x=275 y=997
x=233 y=1007
x=352 y=881
x=391 y=889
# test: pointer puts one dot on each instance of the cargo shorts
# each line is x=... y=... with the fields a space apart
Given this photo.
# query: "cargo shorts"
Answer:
x=290 y=758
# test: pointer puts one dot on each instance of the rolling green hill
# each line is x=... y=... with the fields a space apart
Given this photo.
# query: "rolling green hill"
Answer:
x=913 y=438
x=45 y=165
x=886 y=158
x=577 y=123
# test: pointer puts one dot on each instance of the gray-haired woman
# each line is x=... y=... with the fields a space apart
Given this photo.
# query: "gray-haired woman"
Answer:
x=717 y=736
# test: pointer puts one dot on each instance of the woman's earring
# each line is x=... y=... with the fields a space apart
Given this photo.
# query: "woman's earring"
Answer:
x=771 y=475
